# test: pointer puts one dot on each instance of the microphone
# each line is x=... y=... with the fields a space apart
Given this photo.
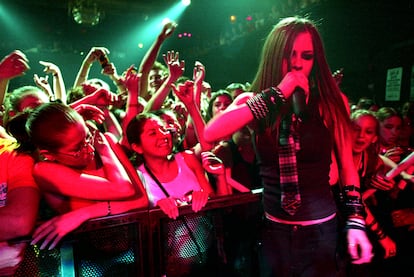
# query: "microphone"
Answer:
x=299 y=103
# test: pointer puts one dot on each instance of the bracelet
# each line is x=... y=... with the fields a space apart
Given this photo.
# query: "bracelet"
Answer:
x=109 y=208
x=350 y=188
x=378 y=231
x=372 y=223
x=355 y=224
x=380 y=234
x=352 y=204
x=279 y=93
x=266 y=103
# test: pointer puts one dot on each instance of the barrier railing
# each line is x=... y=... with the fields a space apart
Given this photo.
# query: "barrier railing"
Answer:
x=220 y=239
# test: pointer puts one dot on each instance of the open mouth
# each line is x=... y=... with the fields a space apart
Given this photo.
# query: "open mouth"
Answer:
x=164 y=143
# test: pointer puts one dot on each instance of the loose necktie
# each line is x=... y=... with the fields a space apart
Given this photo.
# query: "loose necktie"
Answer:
x=288 y=145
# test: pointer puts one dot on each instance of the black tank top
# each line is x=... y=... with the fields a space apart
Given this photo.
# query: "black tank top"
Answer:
x=313 y=164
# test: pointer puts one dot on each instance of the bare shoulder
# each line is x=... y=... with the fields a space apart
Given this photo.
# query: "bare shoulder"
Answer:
x=191 y=159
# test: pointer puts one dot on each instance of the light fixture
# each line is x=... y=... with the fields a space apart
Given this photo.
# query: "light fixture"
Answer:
x=85 y=12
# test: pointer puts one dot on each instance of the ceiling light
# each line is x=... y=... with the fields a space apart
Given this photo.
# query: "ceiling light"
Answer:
x=85 y=12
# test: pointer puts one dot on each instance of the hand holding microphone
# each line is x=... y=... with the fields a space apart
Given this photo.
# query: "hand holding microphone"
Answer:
x=297 y=83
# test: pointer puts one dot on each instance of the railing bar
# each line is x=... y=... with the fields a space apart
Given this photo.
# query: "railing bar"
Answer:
x=67 y=263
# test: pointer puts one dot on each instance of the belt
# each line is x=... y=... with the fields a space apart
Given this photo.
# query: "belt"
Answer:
x=300 y=222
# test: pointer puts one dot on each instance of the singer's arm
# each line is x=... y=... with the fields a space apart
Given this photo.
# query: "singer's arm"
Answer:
x=236 y=116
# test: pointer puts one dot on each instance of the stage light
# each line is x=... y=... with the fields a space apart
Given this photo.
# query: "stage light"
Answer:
x=186 y=2
x=147 y=31
x=10 y=25
x=165 y=21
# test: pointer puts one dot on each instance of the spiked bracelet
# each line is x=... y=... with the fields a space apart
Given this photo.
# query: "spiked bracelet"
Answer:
x=265 y=104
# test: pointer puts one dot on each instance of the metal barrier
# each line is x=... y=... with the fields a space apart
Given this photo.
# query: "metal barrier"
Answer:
x=219 y=240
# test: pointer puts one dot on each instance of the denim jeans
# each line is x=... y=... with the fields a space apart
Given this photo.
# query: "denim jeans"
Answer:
x=294 y=250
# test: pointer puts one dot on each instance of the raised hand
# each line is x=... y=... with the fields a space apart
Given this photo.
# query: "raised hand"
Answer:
x=212 y=163
x=175 y=66
x=110 y=70
x=168 y=29
x=199 y=73
x=185 y=92
x=181 y=112
x=50 y=68
x=13 y=65
x=131 y=81
x=95 y=54
x=102 y=98
x=43 y=84
x=90 y=112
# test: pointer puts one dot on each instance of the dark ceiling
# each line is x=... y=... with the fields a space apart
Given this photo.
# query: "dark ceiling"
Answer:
x=110 y=7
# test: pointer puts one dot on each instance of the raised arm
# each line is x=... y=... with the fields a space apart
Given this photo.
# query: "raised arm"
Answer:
x=176 y=69
x=192 y=134
x=114 y=184
x=11 y=66
x=236 y=116
x=94 y=55
x=133 y=106
x=59 y=88
x=186 y=93
x=43 y=83
x=100 y=98
x=151 y=56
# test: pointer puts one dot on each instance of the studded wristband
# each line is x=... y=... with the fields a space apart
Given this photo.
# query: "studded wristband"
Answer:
x=265 y=104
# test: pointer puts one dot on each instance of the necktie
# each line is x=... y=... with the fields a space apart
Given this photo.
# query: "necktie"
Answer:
x=288 y=145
